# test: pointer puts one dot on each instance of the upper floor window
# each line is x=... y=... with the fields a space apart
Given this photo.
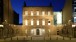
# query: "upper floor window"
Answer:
x=49 y=13
x=32 y=13
x=43 y=22
x=37 y=13
x=26 y=22
x=43 y=13
x=32 y=22
x=37 y=22
x=26 y=13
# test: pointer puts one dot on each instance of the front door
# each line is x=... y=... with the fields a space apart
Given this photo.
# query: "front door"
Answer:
x=37 y=31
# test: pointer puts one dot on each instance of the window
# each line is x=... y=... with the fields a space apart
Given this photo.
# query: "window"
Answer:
x=49 y=13
x=26 y=13
x=26 y=22
x=32 y=13
x=33 y=31
x=37 y=22
x=74 y=19
x=37 y=13
x=43 y=22
x=43 y=13
x=48 y=22
x=74 y=9
x=32 y=22
x=59 y=17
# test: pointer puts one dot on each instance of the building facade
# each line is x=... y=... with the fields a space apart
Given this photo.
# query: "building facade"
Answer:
x=38 y=21
x=67 y=12
x=74 y=10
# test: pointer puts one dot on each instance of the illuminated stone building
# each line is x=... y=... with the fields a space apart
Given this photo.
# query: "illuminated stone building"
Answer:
x=38 y=21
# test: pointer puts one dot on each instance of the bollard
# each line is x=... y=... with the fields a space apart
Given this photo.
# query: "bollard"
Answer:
x=4 y=38
x=63 y=37
x=17 y=38
x=31 y=38
x=70 y=38
x=50 y=38
x=44 y=38
x=57 y=38
x=24 y=38
x=11 y=38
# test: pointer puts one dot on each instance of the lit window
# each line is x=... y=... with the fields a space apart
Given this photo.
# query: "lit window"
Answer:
x=37 y=22
x=26 y=22
x=43 y=13
x=26 y=13
x=74 y=9
x=32 y=22
x=33 y=31
x=32 y=13
x=43 y=22
x=42 y=31
x=48 y=13
x=74 y=19
x=48 y=22
x=59 y=17
x=37 y=13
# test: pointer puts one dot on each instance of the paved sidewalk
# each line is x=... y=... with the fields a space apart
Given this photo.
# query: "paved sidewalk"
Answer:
x=52 y=37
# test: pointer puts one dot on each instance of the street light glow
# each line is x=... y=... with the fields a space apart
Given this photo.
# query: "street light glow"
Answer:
x=1 y=26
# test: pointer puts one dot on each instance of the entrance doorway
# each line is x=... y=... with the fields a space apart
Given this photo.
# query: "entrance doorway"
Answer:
x=37 y=31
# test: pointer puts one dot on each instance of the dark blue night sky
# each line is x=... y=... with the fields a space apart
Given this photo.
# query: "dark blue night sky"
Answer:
x=18 y=4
